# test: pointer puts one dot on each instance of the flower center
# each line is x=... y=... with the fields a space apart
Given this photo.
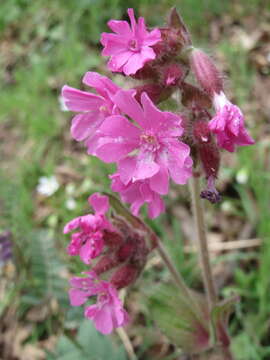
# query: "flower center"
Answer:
x=133 y=45
x=103 y=109
x=149 y=142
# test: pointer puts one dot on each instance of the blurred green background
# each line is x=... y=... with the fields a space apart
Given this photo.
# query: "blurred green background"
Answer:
x=45 y=44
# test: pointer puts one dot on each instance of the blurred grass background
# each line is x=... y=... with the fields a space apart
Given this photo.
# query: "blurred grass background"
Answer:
x=45 y=44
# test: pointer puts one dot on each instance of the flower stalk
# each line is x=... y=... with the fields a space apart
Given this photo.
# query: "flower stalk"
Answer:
x=202 y=243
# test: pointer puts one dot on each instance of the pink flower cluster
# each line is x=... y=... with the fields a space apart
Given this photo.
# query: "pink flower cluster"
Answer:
x=150 y=146
x=89 y=243
x=113 y=249
x=141 y=139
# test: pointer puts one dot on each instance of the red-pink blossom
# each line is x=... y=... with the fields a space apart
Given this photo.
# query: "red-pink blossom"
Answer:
x=138 y=193
x=228 y=124
x=149 y=147
x=93 y=108
x=108 y=313
x=88 y=243
x=130 y=47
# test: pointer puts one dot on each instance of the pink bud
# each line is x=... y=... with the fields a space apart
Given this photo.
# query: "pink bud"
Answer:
x=154 y=91
x=172 y=74
x=124 y=276
x=206 y=72
x=207 y=149
x=105 y=264
x=113 y=239
x=170 y=45
x=193 y=96
x=126 y=250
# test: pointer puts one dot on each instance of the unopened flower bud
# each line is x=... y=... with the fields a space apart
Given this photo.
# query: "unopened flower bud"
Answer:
x=207 y=149
x=175 y=21
x=113 y=239
x=154 y=91
x=105 y=264
x=127 y=250
x=172 y=74
x=192 y=96
x=124 y=276
x=206 y=72
x=170 y=45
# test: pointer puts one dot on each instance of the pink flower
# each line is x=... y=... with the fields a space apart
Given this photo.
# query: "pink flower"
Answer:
x=88 y=243
x=130 y=47
x=82 y=288
x=150 y=149
x=137 y=193
x=228 y=124
x=108 y=313
x=93 y=108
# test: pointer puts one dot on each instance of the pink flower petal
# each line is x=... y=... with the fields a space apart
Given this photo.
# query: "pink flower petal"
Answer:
x=85 y=125
x=145 y=166
x=141 y=31
x=160 y=181
x=160 y=121
x=137 y=61
x=128 y=105
x=71 y=225
x=77 y=297
x=78 y=100
x=121 y=137
x=103 y=85
x=156 y=207
x=130 y=12
x=119 y=27
x=117 y=62
x=118 y=126
x=114 y=151
x=100 y=203
x=153 y=37
x=103 y=320
x=113 y=44
x=126 y=168
x=92 y=248
x=177 y=165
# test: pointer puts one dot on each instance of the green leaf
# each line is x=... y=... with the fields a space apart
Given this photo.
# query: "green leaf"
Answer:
x=45 y=266
x=88 y=345
x=183 y=321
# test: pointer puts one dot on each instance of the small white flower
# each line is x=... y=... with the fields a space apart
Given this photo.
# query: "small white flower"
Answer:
x=242 y=176
x=227 y=207
x=47 y=185
x=71 y=204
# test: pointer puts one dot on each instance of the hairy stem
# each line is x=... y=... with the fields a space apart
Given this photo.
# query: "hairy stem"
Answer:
x=198 y=213
x=175 y=274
